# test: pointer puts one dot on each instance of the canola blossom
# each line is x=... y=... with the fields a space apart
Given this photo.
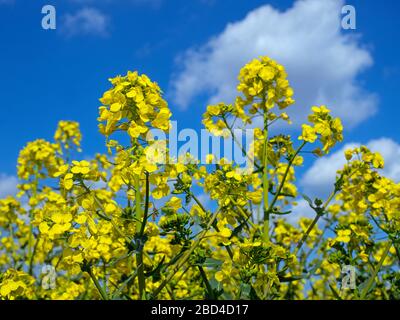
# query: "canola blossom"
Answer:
x=129 y=225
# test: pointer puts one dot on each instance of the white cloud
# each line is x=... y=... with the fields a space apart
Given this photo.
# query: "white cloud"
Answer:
x=322 y=61
x=319 y=179
x=302 y=209
x=86 y=21
x=8 y=185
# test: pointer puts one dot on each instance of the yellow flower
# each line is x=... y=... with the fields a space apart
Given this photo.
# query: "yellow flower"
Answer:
x=94 y=223
x=378 y=161
x=68 y=181
x=209 y=158
x=111 y=208
x=61 y=170
x=343 y=236
x=214 y=110
x=308 y=134
x=234 y=174
x=267 y=73
x=68 y=134
x=174 y=203
x=363 y=256
x=348 y=154
x=82 y=167
x=136 y=130
x=115 y=107
x=225 y=232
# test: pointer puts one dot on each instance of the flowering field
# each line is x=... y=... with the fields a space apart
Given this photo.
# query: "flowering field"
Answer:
x=130 y=224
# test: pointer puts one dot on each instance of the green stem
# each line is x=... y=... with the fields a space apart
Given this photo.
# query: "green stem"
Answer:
x=245 y=216
x=140 y=226
x=100 y=205
x=375 y=272
x=280 y=188
x=314 y=222
x=97 y=284
x=238 y=143
x=31 y=235
x=227 y=247
x=186 y=256
x=206 y=283
x=33 y=255
x=265 y=180
x=138 y=205
x=146 y=205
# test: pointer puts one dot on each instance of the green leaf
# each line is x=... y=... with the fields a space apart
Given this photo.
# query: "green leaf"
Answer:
x=315 y=267
x=281 y=213
x=212 y=263
x=157 y=269
x=310 y=202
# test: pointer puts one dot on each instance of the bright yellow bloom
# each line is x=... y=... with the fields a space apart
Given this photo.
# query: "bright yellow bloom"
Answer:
x=343 y=236
x=80 y=167
x=308 y=134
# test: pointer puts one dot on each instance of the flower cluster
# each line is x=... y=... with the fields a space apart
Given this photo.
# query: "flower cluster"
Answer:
x=327 y=129
x=68 y=134
x=129 y=225
x=133 y=104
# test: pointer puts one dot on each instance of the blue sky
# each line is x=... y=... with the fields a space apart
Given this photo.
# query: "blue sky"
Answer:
x=190 y=48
